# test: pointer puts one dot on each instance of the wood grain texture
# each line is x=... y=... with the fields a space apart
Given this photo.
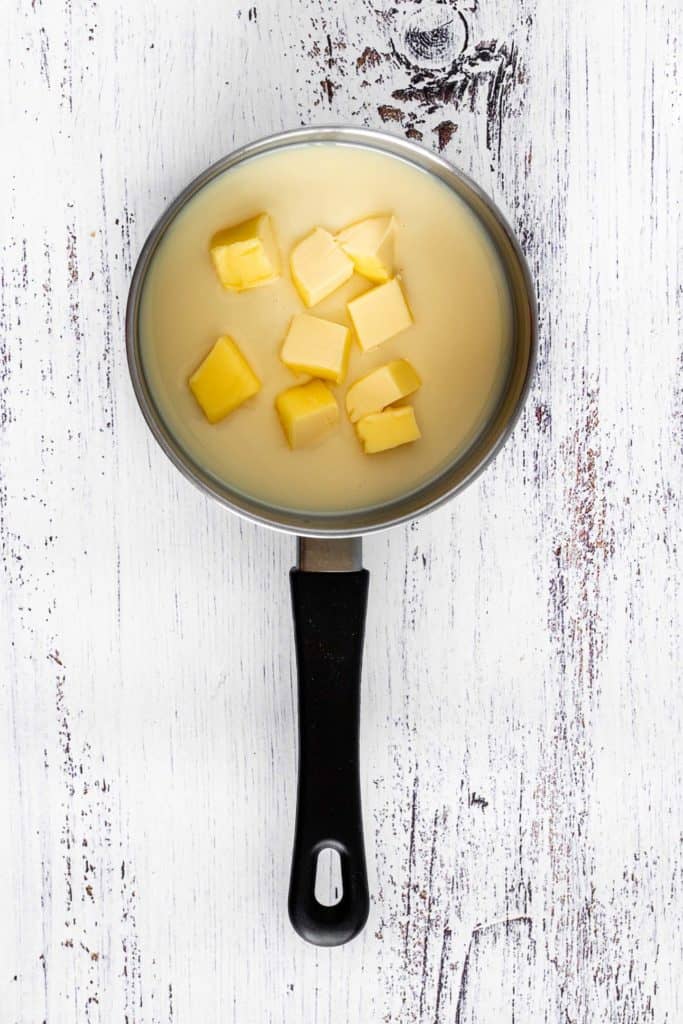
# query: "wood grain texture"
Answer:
x=522 y=708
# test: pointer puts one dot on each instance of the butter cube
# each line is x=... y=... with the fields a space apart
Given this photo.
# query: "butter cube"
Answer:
x=383 y=430
x=306 y=412
x=319 y=266
x=379 y=314
x=223 y=381
x=316 y=346
x=370 y=244
x=382 y=387
x=245 y=255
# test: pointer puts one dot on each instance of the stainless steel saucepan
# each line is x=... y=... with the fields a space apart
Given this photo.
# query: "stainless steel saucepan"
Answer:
x=329 y=585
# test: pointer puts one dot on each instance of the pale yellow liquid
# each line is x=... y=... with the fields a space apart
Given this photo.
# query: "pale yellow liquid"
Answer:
x=460 y=342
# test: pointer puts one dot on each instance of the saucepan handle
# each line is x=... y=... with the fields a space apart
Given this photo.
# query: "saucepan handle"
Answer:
x=329 y=620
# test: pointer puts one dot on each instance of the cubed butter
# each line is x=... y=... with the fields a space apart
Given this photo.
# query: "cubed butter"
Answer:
x=246 y=255
x=383 y=430
x=379 y=314
x=382 y=387
x=319 y=266
x=317 y=346
x=306 y=412
x=370 y=244
x=223 y=381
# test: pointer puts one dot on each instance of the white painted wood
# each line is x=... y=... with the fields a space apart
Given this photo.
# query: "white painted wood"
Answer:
x=522 y=708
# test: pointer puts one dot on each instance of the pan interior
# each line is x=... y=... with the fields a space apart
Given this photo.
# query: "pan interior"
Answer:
x=410 y=492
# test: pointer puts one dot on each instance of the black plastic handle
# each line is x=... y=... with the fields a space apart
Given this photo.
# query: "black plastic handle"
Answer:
x=329 y=622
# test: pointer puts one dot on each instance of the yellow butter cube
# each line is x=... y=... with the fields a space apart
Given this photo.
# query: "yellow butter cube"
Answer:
x=317 y=346
x=382 y=387
x=307 y=412
x=370 y=244
x=379 y=314
x=319 y=266
x=223 y=381
x=246 y=255
x=383 y=430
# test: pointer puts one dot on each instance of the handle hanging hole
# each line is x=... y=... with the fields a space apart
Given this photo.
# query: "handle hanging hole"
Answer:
x=328 y=889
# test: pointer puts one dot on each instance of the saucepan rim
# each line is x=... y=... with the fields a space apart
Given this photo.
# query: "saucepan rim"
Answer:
x=443 y=487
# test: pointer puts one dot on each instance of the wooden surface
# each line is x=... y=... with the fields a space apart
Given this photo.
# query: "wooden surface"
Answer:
x=522 y=703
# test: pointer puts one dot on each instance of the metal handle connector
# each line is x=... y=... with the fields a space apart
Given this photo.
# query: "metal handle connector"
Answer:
x=338 y=554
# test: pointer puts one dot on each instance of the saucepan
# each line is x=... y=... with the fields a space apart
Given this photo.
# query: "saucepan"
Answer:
x=329 y=586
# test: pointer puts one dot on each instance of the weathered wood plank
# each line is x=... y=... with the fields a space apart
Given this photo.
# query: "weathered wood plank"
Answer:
x=522 y=719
